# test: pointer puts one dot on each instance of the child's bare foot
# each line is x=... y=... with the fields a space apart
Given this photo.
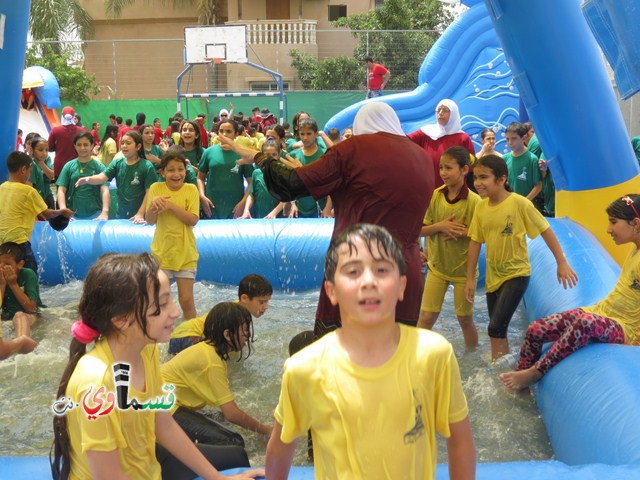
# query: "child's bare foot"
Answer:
x=28 y=344
x=521 y=379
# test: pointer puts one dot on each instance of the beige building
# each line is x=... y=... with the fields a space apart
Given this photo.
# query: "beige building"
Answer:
x=139 y=55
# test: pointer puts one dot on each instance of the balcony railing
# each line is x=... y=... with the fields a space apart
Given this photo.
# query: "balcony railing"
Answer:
x=269 y=32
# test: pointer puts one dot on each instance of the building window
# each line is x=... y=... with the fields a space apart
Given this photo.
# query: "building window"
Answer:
x=267 y=86
x=337 y=11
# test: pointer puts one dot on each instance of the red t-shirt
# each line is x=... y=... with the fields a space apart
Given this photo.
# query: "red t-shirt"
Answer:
x=382 y=179
x=96 y=136
x=435 y=148
x=61 y=142
x=157 y=135
x=375 y=76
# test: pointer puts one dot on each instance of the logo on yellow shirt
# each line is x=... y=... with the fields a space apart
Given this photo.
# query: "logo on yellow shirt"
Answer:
x=508 y=229
x=418 y=429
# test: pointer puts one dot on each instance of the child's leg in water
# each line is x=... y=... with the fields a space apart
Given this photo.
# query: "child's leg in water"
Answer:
x=502 y=305
x=570 y=331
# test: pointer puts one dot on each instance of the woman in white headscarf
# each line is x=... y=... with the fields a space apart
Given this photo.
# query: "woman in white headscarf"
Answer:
x=435 y=138
x=377 y=176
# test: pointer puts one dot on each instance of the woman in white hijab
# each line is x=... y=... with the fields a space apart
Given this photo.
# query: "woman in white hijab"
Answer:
x=435 y=138
x=377 y=176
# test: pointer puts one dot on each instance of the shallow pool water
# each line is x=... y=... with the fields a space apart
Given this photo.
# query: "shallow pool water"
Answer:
x=506 y=427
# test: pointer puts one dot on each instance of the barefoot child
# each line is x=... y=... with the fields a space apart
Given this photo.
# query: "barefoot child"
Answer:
x=200 y=376
x=126 y=307
x=502 y=220
x=174 y=207
x=446 y=222
x=615 y=319
x=377 y=389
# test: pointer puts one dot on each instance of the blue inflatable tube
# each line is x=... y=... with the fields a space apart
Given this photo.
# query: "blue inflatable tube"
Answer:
x=14 y=22
x=289 y=254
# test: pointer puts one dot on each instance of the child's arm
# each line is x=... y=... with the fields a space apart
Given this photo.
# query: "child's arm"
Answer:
x=45 y=169
x=326 y=211
x=62 y=196
x=11 y=279
x=206 y=204
x=97 y=179
x=172 y=437
x=106 y=203
x=234 y=414
x=279 y=455
x=247 y=207
x=565 y=273
x=461 y=451
x=239 y=208
x=472 y=262
x=535 y=191
x=49 y=214
x=327 y=141
x=138 y=218
x=448 y=227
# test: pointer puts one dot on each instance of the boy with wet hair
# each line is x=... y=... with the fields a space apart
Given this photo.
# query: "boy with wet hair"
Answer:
x=374 y=392
x=254 y=293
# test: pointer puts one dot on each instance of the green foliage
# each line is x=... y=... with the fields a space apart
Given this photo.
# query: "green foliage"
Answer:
x=59 y=20
x=75 y=85
x=336 y=73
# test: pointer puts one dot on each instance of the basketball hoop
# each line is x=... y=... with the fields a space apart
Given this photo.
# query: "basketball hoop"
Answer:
x=217 y=60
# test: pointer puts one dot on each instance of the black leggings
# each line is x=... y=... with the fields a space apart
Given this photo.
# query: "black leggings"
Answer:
x=222 y=457
x=202 y=429
x=503 y=303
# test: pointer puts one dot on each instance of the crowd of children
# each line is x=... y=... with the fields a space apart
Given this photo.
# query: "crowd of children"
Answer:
x=336 y=385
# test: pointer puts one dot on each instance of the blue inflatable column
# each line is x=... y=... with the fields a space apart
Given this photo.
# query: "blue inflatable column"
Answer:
x=14 y=23
x=558 y=69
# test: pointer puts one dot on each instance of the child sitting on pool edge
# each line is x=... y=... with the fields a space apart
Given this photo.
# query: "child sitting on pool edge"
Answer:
x=372 y=368
x=254 y=293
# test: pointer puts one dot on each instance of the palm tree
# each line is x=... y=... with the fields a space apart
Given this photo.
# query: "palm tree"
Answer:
x=59 y=20
x=208 y=10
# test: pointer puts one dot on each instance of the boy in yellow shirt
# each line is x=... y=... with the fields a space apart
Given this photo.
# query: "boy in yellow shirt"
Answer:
x=374 y=393
x=20 y=205
x=254 y=293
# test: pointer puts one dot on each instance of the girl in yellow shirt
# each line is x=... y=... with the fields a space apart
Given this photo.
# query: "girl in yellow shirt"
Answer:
x=503 y=220
x=616 y=319
x=108 y=414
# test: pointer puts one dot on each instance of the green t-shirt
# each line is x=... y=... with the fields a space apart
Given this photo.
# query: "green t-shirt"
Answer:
x=155 y=150
x=192 y=156
x=263 y=201
x=39 y=180
x=86 y=200
x=635 y=143
x=28 y=282
x=133 y=181
x=224 y=187
x=307 y=206
x=524 y=173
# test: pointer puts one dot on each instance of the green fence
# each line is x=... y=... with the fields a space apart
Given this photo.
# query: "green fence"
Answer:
x=320 y=105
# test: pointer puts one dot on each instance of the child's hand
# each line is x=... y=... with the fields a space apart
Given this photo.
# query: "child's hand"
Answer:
x=566 y=276
x=160 y=204
x=452 y=229
x=289 y=161
x=164 y=146
x=66 y=212
x=249 y=474
x=82 y=181
x=138 y=219
x=207 y=206
x=10 y=275
x=470 y=291
x=153 y=158
x=3 y=281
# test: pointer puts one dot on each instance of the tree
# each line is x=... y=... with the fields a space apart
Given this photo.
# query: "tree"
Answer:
x=208 y=10
x=59 y=20
x=402 y=52
x=337 y=73
x=75 y=85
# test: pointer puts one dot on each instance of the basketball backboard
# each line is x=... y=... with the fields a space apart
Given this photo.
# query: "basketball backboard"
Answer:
x=225 y=42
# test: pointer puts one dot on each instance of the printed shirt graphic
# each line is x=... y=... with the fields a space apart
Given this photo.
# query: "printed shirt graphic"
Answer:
x=373 y=422
x=623 y=303
x=524 y=173
x=132 y=181
x=504 y=228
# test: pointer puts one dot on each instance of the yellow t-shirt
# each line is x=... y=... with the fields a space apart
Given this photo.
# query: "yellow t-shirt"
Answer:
x=246 y=142
x=448 y=258
x=174 y=244
x=503 y=228
x=623 y=302
x=20 y=204
x=373 y=422
x=199 y=376
x=131 y=432
x=190 y=328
